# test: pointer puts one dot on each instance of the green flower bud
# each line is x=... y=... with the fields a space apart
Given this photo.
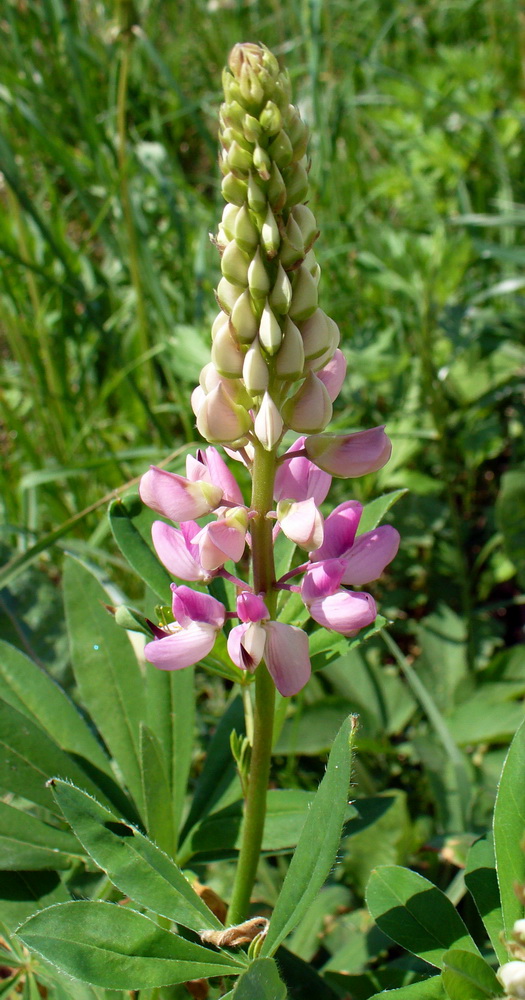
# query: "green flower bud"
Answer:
x=305 y=219
x=317 y=335
x=304 y=298
x=271 y=119
x=228 y=136
x=262 y=163
x=296 y=180
x=258 y=278
x=251 y=128
x=226 y=354
x=234 y=189
x=281 y=294
x=309 y=407
x=243 y=319
x=234 y=264
x=227 y=294
x=276 y=189
x=239 y=159
x=229 y=215
x=220 y=419
x=289 y=362
x=270 y=237
x=292 y=249
x=256 y=196
x=281 y=150
x=221 y=240
x=246 y=234
x=298 y=134
x=255 y=370
x=270 y=335
x=130 y=619
x=231 y=112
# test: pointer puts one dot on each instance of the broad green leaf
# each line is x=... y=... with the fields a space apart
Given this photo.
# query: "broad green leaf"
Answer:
x=133 y=546
x=374 y=512
x=429 y=989
x=28 y=844
x=468 y=977
x=21 y=893
x=482 y=883
x=106 y=671
x=415 y=914
x=261 y=980
x=29 y=758
x=303 y=981
x=488 y=715
x=318 y=844
x=114 y=947
x=509 y=825
x=156 y=793
x=33 y=692
x=170 y=696
x=510 y=516
x=132 y=862
x=308 y=935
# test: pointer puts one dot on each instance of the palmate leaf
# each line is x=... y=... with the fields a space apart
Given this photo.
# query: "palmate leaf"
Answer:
x=416 y=914
x=28 y=844
x=318 y=843
x=118 y=948
x=133 y=863
x=469 y=977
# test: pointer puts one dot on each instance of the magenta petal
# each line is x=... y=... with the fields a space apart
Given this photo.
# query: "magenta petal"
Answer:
x=339 y=531
x=218 y=542
x=182 y=648
x=322 y=579
x=191 y=606
x=175 y=497
x=220 y=475
x=287 y=657
x=350 y=455
x=251 y=607
x=172 y=550
x=370 y=554
x=300 y=479
x=344 y=612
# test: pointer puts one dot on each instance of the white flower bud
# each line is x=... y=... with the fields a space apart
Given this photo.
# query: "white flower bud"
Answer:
x=518 y=931
x=262 y=163
x=309 y=407
x=258 y=278
x=220 y=419
x=270 y=335
x=246 y=235
x=256 y=196
x=317 y=335
x=255 y=370
x=234 y=264
x=229 y=216
x=243 y=319
x=220 y=320
x=305 y=219
x=226 y=354
x=304 y=298
x=268 y=424
x=227 y=294
x=289 y=362
x=512 y=978
x=270 y=237
x=281 y=294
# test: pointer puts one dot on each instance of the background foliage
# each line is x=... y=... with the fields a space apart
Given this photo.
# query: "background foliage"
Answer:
x=109 y=189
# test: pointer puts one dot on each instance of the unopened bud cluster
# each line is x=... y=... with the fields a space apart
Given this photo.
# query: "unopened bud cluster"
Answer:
x=270 y=337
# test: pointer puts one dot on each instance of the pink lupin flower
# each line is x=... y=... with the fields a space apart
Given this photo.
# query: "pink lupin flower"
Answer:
x=349 y=455
x=297 y=478
x=333 y=374
x=176 y=497
x=330 y=605
x=222 y=539
x=301 y=522
x=209 y=466
x=198 y=619
x=364 y=557
x=178 y=552
x=283 y=647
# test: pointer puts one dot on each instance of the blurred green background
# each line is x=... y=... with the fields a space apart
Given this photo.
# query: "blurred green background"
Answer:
x=109 y=190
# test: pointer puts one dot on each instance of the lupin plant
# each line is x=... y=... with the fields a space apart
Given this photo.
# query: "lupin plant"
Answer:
x=275 y=367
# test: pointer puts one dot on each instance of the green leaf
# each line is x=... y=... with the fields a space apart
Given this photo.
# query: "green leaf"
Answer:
x=33 y=692
x=157 y=793
x=261 y=980
x=170 y=696
x=415 y=914
x=132 y=862
x=468 y=977
x=374 y=512
x=110 y=946
x=28 y=844
x=318 y=844
x=482 y=883
x=510 y=518
x=429 y=989
x=106 y=671
x=509 y=824
x=21 y=893
x=133 y=546
x=29 y=758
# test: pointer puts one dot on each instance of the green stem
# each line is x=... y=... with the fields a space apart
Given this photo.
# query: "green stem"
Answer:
x=263 y=582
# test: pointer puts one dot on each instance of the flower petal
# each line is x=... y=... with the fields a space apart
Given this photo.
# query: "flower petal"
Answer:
x=369 y=555
x=191 y=606
x=246 y=644
x=251 y=607
x=301 y=522
x=344 y=612
x=322 y=579
x=287 y=657
x=333 y=374
x=173 y=551
x=350 y=455
x=182 y=648
x=175 y=497
x=300 y=479
x=219 y=541
x=339 y=531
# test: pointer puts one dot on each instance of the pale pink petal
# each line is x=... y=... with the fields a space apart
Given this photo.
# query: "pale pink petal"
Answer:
x=287 y=657
x=191 y=606
x=333 y=374
x=344 y=612
x=350 y=455
x=172 y=550
x=369 y=555
x=300 y=479
x=251 y=607
x=301 y=522
x=321 y=579
x=220 y=475
x=218 y=542
x=246 y=644
x=175 y=497
x=339 y=531
x=182 y=648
